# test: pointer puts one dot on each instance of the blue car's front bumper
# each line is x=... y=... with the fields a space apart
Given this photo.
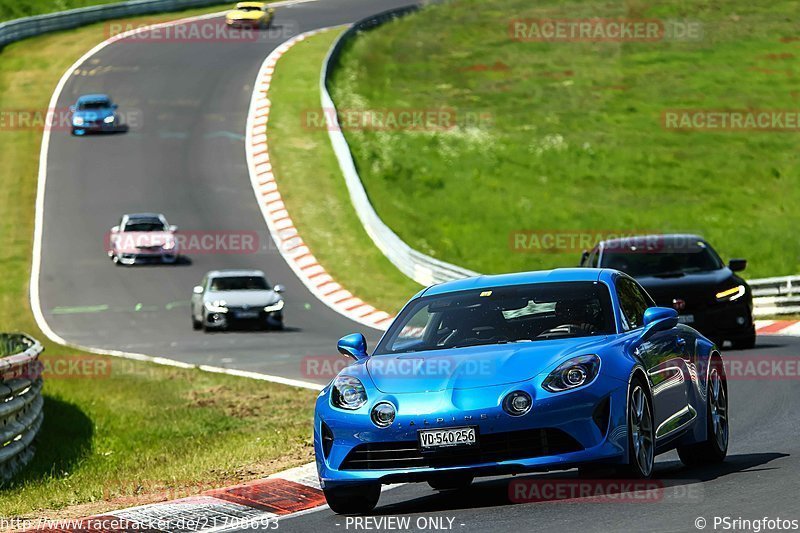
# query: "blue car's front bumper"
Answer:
x=561 y=431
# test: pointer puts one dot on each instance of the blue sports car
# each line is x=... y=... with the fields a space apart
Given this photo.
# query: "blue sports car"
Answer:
x=94 y=112
x=516 y=373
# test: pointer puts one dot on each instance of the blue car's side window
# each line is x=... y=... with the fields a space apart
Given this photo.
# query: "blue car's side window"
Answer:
x=632 y=303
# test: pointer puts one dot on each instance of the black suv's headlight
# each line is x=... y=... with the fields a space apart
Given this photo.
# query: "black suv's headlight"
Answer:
x=348 y=392
x=576 y=372
x=729 y=295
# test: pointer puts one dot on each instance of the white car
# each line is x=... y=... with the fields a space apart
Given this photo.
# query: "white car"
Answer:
x=227 y=298
x=143 y=237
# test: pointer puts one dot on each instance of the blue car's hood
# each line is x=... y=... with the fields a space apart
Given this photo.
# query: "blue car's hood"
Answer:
x=476 y=366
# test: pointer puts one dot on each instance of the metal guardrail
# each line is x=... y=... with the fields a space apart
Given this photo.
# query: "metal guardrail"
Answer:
x=20 y=401
x=776 y=296
x=17 y=29
x=422 y=268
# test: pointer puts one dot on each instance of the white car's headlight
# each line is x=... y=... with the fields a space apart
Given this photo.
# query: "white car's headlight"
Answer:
x=731 y=294
x=78 y=121
x=109 y=119
x=277 y=306
x=348 y=393
x=574 y=373
x=169 y=245
x=217 y=306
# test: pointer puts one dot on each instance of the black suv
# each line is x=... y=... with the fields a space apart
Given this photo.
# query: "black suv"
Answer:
x=685 y=273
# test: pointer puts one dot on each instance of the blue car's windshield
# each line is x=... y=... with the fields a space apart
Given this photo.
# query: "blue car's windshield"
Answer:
x=500 y=315
x=94 y=105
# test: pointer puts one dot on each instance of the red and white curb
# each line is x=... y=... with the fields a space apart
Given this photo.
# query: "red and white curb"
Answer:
x=291 y=245
x=778 y=327
x=256 y=505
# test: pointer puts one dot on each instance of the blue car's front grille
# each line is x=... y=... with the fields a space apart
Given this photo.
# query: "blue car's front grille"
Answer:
x=491 y=448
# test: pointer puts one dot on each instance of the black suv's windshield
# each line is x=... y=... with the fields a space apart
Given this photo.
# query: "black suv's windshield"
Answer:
x=240 y=283
x=519 y=313
x=667 y=260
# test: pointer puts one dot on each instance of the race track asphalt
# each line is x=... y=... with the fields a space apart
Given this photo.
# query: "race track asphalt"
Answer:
x=186 y=101
x=758 y=479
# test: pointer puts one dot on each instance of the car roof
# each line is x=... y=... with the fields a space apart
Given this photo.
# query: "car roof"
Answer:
x=93 y=97
x=518 y=278
x=249 y=4
x=663 y=238
x=139 y=216
x=234 y=272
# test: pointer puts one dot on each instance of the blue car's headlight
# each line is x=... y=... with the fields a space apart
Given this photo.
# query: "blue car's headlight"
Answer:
x=576 y=372
x=109 y=119
x=348 y=392
x=78 y=121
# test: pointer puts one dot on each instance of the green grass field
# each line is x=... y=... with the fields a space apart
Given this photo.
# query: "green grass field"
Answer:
x=12 y=9
x=140 y=432
x=566 y=138
x=312 y=186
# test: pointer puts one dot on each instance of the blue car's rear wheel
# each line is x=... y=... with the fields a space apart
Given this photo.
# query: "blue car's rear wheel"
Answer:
x=715 y=447
x=353 y=499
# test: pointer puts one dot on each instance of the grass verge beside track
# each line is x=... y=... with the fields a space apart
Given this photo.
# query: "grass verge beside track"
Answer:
x=566 y=138
x=120 y=432
x=312 y=185
x=13 y=9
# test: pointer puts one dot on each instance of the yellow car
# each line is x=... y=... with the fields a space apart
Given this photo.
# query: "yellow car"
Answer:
x=250 y=15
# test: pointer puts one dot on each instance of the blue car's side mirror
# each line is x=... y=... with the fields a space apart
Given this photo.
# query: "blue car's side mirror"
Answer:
x=353 y=346
x=658 y=319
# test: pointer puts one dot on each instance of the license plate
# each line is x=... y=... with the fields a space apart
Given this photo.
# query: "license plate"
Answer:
x=247 y=314
x=444 y=438
x=686 y=319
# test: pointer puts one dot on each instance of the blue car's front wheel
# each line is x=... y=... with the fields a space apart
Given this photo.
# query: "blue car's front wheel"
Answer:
x=641 y=434
x=353 y=499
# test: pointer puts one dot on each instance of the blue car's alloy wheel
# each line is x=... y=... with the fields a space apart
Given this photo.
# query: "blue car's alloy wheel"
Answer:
x=718 y=403
x=715 y=447
x=640 y=423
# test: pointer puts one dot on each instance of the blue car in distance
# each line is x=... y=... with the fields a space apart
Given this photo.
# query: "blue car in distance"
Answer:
x=94 y=113
x=517 y=373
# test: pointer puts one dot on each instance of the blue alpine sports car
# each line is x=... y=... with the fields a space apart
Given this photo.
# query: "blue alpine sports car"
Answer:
x=516 y=373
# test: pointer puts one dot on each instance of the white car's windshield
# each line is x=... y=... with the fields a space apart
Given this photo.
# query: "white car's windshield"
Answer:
x=239 y=283
x=145 y=225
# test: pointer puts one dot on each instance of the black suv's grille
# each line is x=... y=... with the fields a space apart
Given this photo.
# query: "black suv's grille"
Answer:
x=491 y=448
